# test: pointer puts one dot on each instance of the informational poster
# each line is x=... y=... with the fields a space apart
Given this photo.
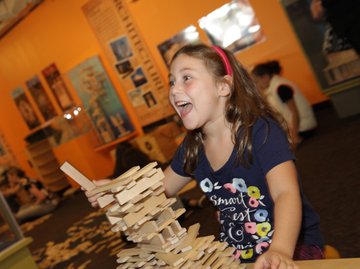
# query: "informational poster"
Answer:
x=129 y=56
x=100 y=100
x=26 y=110
x=41 y=98
x=58 y=87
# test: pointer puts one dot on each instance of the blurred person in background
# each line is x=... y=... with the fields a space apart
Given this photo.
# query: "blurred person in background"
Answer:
x=42 y=200
x=284 y=96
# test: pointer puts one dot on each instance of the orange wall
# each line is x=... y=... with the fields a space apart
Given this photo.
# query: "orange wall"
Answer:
x=57 y=31
x=159 y=20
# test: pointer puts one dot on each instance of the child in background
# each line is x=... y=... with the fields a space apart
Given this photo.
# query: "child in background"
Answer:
x=240 y=156
x=287 y=99
x=43 y=202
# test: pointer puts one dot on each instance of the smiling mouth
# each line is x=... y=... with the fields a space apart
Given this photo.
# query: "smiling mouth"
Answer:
x=184 y=108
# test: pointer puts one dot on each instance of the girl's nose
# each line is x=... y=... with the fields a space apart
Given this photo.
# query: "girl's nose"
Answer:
x=176 y=88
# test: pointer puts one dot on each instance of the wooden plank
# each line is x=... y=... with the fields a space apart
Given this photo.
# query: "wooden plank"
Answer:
x=78 y=177
x=107 y=187
x=118 y=183
x=171 y=258
x=143 y=184
x=105 y=200
x=189 y=239
x=143 y=171
x=128 y=173
x=149 y=205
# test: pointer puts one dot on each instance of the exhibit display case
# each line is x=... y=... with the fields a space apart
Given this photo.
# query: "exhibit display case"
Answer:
x=14 y=253
x=336 y=68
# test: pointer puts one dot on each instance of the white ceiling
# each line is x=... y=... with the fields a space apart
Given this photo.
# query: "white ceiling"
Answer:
x=12 y=11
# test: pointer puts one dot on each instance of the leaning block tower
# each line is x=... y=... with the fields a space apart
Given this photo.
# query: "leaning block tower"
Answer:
x=136 y=204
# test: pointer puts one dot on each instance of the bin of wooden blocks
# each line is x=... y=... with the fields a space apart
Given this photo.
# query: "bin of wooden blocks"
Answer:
x=161 y=143
x=136 y=204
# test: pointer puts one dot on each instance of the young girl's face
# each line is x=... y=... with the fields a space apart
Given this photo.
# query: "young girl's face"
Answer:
x=194 y=94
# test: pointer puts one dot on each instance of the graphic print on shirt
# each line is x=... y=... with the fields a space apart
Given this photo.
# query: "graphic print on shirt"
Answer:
x=244 y=218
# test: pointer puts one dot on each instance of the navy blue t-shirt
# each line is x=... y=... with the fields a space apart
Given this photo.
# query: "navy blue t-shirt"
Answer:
x=242 y=196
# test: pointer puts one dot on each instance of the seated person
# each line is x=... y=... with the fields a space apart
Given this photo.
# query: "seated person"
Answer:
x=128 y=156
x=287 y=99
x=43 y=201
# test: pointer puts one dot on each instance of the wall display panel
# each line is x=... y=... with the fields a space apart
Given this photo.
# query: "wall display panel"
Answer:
x=100 y=100
x=7 y=156
x=72 y=124
x=25 y=108
x=58 y=87
x=332 y=58
x=233 y=26
x=126 y=51
x=41 y=98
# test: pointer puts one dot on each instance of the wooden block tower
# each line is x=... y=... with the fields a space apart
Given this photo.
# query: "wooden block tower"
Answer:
x=136 y=205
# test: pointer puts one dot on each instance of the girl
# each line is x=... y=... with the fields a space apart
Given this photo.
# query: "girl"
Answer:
x=240 y=156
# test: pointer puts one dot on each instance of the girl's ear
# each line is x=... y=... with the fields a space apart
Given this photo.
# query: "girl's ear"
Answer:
x=225 y=86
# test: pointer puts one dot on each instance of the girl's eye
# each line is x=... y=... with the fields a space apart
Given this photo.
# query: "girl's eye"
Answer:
x=171 y=83
x=187 y=77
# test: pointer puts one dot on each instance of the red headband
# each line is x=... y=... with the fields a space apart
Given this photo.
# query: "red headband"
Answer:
x=225 y=60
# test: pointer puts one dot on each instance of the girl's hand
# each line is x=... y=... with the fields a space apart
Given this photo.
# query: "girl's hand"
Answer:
x=274 y=260
x=92 y=198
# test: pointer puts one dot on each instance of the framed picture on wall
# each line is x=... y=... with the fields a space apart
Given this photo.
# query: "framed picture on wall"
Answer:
x=25 y=108
x=121 y=48
x=233 y=26
x=167 y=49
x=41 y=98
x=100 y=100
x=138 y=78
x=58 y=87
x=124 y=68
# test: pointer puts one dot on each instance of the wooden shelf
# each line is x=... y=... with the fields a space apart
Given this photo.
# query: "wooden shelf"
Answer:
x=46 y=164
x=112 y=145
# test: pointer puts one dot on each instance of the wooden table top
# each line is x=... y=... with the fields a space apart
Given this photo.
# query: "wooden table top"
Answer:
x=349 y=263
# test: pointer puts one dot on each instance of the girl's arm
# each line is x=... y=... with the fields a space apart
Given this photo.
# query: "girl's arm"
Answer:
x=284 y=190
x=173 y=182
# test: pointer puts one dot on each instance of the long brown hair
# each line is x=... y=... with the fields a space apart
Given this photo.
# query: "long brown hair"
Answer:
x=244 y=106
